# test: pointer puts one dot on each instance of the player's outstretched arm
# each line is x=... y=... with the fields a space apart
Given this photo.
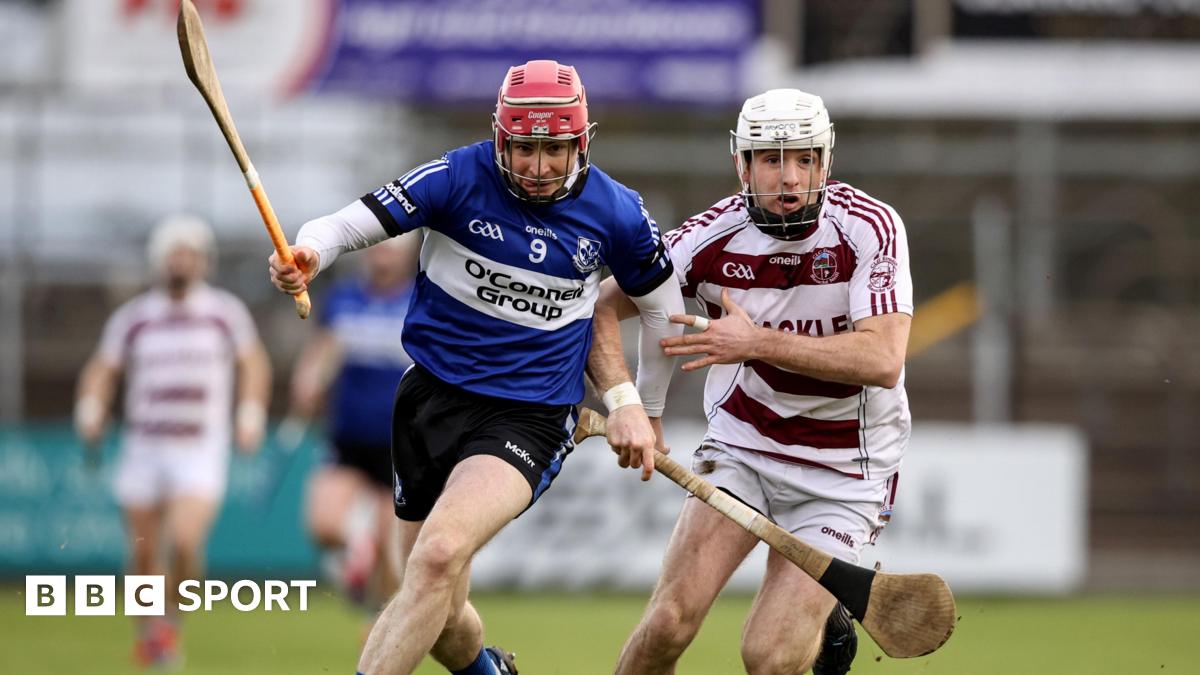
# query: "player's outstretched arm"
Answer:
x=93 y=398
x=873 y=354
x=630 y=433
x=314 y=371
x=254 y=393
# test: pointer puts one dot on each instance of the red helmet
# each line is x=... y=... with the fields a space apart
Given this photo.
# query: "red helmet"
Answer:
x=541 y=101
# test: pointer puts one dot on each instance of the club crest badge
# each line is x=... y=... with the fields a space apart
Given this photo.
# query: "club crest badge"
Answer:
x=883 y=274
x=824 y=266
x=587 y=255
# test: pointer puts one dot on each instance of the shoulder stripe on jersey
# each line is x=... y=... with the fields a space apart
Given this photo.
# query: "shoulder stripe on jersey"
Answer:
x=795 y=430
x=417 y=178
x=873 y=221
x=885 y=210
x=704 y=219
x=881 y=213
x=422 y=167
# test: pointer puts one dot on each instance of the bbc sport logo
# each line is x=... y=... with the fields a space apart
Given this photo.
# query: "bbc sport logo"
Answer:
x=146 y=595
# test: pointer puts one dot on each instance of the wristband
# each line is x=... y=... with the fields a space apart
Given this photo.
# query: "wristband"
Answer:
x=88 y=412
x=251 y=416
x=620 y=396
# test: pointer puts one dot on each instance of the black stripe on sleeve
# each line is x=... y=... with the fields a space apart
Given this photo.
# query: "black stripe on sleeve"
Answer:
x=385 y=217
x=654 y=282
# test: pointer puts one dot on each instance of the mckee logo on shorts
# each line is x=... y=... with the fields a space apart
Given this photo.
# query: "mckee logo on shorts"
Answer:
x=519 y=452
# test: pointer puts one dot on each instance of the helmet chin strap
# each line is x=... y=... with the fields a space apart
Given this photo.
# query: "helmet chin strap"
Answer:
x=797 y=225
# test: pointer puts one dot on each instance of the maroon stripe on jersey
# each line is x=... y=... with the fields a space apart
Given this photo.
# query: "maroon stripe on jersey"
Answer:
x=885 y=212
x=175 y=321
x=703 y=219
x=819 y=267
x=797 y=430
x=172 y=429
x=178 y=394
x=788 y=459
x=801 y=385
x=702 y=259
x=887 y=245
x=875 y=224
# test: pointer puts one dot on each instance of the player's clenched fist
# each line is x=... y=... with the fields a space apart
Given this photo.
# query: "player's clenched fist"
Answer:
x=292 y=279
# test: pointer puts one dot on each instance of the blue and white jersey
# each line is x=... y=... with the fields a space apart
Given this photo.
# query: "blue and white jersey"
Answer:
x=505 y=292
x=366 y=324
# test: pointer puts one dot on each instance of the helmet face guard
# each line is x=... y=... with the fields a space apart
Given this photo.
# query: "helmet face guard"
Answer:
x=783 y=126
x=542 y=104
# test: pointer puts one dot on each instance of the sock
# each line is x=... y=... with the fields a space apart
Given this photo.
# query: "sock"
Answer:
x=482 y=665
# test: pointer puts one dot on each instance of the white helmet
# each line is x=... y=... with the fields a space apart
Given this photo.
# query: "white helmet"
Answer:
x=175 y=231
x=777 y=120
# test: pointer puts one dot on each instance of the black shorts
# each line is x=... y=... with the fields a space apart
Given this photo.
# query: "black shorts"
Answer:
x=436 y=425
x=374 y=461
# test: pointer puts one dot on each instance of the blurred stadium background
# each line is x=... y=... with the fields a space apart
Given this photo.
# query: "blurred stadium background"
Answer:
x=1045 y=155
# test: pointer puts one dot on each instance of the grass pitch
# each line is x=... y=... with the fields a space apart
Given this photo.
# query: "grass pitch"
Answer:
x=582 y=634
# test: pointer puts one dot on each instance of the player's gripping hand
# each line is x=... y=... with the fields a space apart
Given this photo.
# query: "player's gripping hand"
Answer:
x=632 y=437
x=731 y=339
x=292 y=279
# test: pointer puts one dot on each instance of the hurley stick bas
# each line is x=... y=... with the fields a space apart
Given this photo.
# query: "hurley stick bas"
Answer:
x=203 y=74
x=906 y=614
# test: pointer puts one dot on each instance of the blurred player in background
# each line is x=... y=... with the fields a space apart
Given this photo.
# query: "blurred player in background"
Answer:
x=355 y=355
x=806 y=297
x=516 y=231
x=178 y=347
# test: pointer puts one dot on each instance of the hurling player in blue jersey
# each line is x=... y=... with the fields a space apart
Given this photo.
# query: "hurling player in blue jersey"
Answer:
x=516 y=231
x=353 y=363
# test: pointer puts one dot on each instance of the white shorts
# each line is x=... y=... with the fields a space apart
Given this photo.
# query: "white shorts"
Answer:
x=825 y=509
x=150 y=475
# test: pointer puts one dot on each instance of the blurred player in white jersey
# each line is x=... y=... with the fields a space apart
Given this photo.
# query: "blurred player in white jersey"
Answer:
x=806 y=300
x=353 y=364
x=516 y=230
x=178 y=347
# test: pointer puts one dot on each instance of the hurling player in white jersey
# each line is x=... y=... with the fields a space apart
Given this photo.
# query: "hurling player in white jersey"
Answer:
x=805 y=303
x=515 y=230
x=190 y=356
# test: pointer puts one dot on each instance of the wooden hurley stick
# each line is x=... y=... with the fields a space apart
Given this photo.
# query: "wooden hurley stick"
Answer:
x=203 y=74
x=906 y=614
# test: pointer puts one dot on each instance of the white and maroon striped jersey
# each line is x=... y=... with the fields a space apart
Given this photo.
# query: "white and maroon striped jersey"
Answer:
x=179 y=360
x=853 y=266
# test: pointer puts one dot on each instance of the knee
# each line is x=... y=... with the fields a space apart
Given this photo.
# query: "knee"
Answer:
x=438 y=558
x=776 y=657
x=670 y=626
x=188 y=549
x=143 y=552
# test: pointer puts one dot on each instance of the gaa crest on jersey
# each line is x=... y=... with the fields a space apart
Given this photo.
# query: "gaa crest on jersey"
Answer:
x=883 y=274
x=587 y=255
x=824 y=266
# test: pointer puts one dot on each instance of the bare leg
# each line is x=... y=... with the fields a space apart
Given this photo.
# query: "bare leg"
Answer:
x=705 y=549
x=387 y=535
x=481 y=496
x=189 y=521
x=144 y=525
x=332 y=490
x=783 y=633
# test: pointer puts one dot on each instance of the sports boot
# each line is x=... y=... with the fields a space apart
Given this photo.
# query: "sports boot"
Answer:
x=502 y=659
x=840 y=644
